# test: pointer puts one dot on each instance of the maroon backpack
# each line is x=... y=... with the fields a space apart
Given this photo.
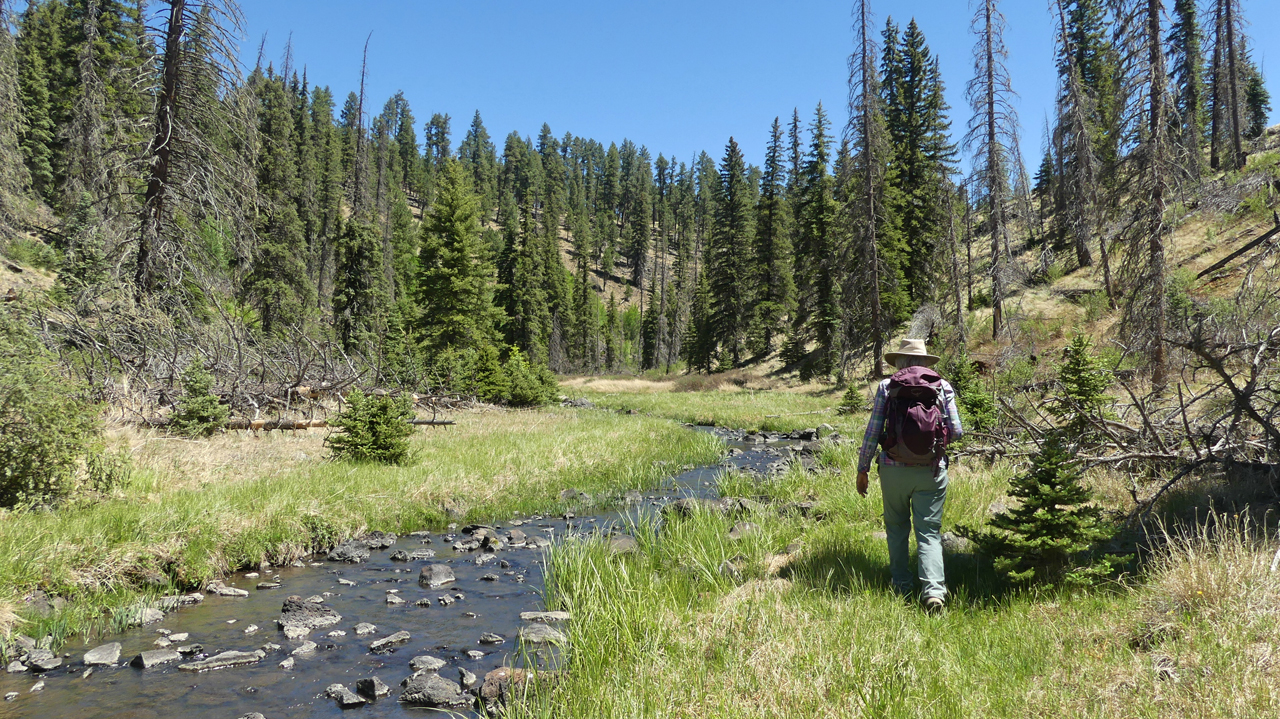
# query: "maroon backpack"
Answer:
x=915 y=428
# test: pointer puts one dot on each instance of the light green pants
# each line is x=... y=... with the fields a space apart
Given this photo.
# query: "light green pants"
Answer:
x=913 y=493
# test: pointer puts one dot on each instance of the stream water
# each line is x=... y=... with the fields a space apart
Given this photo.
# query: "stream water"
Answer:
x=446 y=622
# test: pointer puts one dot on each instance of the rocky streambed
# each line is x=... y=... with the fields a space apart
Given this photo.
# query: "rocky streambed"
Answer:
x=387 y=624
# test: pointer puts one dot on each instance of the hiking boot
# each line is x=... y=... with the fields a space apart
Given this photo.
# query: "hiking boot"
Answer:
x=933 y=605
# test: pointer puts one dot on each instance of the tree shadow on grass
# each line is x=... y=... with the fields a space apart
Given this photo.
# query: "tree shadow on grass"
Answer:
x=853 y=566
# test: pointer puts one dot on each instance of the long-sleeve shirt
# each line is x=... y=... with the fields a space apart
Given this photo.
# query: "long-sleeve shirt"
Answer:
x=875 y=425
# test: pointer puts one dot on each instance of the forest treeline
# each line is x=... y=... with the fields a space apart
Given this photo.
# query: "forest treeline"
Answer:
x=287 y=232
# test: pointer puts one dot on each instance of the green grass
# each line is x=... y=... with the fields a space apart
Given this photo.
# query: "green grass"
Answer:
x=739 y=409
x=151 y=537
x=666 y=633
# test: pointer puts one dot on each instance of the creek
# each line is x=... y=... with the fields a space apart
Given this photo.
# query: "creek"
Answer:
x=490 y=592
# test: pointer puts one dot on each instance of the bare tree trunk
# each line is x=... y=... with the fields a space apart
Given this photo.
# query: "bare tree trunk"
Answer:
x=955 y=272
x=1155 y=247
x=1233 y=84
x=866 y=69
x=995 y=197
x=1215 y=122
x=153 y=205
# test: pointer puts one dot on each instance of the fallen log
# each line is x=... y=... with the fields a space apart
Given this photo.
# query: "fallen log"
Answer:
x=1227 y=260
x=432 y=422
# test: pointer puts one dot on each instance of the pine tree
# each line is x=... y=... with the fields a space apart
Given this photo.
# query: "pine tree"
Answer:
x=1047 y=538
x=772 y=273
x=1186 y=41
x=278 y=285
x=84 y=262
x=40 y=45
x=728 y=257
x=1082 y=388
x=818 y=314
x=457 y=284
x=361 y=299
x=479 y=157
x=915 y=117
x=1257 y=102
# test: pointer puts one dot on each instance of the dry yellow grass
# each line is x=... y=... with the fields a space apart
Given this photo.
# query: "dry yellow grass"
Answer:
x=608 y=384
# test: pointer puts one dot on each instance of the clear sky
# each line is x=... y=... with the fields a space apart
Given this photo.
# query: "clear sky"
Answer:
x=678 y=76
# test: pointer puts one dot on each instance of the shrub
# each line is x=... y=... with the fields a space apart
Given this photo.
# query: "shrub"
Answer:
x=46 y=426
x=199 y=412
x=1048 y=538
x=107 y=470
x=373 y=429
x=491 y=381
x=530 y=386
x=977 y=408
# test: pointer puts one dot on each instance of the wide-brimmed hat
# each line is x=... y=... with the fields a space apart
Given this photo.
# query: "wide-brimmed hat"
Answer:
x=910 y=348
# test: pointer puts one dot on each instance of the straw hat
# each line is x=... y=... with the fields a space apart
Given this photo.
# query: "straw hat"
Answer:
x=910 y=348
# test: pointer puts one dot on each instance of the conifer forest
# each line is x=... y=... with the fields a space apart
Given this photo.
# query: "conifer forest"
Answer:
x=614 y=407
x=277 y=226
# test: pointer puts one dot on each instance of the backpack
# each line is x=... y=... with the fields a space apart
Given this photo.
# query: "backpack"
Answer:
x=915 y=428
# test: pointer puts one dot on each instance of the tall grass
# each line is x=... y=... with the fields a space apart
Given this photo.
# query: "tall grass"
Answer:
x=666 y=633
x=152 y=538
x=771 y=410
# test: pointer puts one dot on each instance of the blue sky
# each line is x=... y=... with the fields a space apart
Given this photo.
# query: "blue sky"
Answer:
x=678 y=77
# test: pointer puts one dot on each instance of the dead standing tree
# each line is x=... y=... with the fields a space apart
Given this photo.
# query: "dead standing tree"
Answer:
x=199 y=160
x=992 y=135
x=1144 y=270
x=863 y=209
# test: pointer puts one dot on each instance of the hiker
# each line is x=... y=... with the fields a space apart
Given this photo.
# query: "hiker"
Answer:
x=913 y=419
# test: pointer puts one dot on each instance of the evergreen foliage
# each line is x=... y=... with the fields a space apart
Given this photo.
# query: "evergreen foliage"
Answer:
x=728 y=257
x=976 y=405
x=48 y=426
x=1050 y=536
x=199 y=413
x=373 y=428
x=1082 y=386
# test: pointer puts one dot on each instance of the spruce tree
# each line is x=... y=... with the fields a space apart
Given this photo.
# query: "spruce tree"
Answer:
x=1186 y=48
x=772 y=276
x=278 y=285
x=1047 y=538
x=1082 y=386
x=361 y=298
x=818 y=316
x=457 y=281
x=479 y=157
x=13 y=172
x=915 y=116
x=728 y=256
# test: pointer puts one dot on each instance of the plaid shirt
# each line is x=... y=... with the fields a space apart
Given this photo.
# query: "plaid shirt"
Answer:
x=875 y=425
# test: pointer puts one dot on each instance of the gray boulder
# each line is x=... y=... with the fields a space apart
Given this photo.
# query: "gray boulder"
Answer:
x=743 y=529
x=350 y=551
x=43 y=660
x=623 y=544
x=346 y=698
x=372 y=687
x=434 y=691
x=386 y=644
x=426 y=663
x=155 y=657
x=379 y=540
x=298 y=612
x=225 y=660
x=545 y=616
x=103 y=656
x=436 y=575
x=542 y=634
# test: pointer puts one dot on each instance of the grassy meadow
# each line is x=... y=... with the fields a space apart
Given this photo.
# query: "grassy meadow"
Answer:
x=194 y=510
x=796 y=619
x=805 y=624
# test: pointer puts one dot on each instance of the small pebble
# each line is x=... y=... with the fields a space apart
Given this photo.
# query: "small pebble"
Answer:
x=231 y=621
x=179 y=637
x=39 y=686
x=252 y=628
x=475 y=654
x=10 y=696
x=287 y=664
x=336 y=633
x=346 y=582
x=251 y=575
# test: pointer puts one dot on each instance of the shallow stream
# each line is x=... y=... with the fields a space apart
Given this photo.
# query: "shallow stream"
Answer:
x=486 y=598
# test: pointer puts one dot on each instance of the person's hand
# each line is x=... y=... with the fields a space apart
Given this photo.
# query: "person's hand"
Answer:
x=862 y=483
